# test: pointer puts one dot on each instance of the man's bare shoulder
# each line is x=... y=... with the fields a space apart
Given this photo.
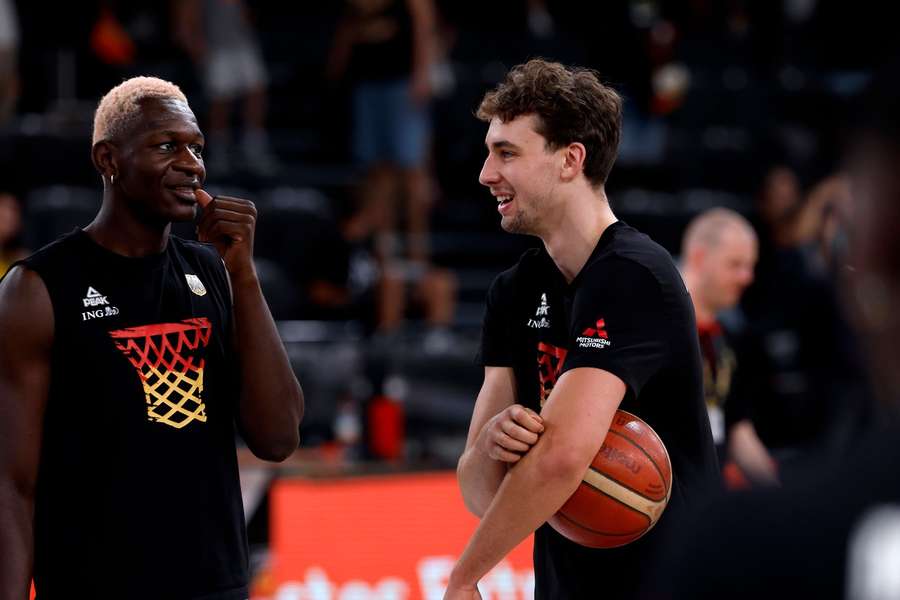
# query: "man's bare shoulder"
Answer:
x=26 y=312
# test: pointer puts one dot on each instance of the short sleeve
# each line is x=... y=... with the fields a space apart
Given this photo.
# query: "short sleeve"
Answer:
x=495 y=350
x=619 y=323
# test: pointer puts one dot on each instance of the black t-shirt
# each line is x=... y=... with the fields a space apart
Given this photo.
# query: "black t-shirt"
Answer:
x=627 y=312
x=137 y=492
x=384 y=47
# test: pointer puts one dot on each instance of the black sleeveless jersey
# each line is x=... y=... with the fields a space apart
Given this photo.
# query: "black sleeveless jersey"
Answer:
x=138 y=493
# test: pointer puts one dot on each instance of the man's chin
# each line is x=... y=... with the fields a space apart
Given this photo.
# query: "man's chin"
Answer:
x=517 y=226
x=184 y=214
x=514 y=225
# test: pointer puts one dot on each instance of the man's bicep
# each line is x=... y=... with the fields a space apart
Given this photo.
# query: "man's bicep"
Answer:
x=26 y=336
x=580 y=409
x=497 y=392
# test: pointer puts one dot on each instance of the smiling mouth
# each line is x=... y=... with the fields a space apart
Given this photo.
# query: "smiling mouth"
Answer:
x=503 y=200
x=186 y=193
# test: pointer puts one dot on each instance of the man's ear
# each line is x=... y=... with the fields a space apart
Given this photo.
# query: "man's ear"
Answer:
x=104 y=159
x=696 y=255
x=573 y=161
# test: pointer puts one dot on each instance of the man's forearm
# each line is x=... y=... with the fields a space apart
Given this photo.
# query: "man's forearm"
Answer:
x=16 y=546
x=751 y=455
x=530 y=493
x=271 y=401
x=479 y=478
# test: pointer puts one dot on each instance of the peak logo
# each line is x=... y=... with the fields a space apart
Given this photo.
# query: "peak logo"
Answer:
x=94 y=298
x=543 y=311
x=594 y=337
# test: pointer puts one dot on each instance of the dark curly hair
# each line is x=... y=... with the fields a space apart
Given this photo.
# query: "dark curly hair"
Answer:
x=571 y=105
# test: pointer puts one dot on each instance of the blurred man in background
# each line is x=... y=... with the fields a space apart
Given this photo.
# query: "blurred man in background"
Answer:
x=386 y=48
x=795 y=385
x=719 y=253
x=220 y=38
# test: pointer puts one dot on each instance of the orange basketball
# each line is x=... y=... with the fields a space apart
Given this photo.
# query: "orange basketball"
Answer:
x=624 y=490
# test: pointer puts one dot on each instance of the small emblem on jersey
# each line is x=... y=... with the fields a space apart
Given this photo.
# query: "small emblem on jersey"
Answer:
x=543 y=311
x=594 y=337
x=94 y=298
x=195 y=284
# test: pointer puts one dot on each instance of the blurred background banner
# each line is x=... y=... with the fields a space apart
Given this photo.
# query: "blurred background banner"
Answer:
x=391 y=537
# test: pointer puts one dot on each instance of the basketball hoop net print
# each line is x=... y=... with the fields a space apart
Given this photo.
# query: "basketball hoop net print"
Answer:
x=172 y=376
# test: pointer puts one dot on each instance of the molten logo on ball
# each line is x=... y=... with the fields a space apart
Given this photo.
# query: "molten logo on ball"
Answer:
x=624 y=491
x=620 y=457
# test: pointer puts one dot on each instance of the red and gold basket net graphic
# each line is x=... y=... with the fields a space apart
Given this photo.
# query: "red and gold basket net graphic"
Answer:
x=172 y=380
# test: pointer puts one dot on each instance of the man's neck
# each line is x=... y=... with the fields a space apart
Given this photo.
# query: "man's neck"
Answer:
x=121 y=232
x=704 y=313
x=578 y=229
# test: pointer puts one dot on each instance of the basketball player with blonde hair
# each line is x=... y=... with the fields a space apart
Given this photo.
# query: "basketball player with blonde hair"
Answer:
x=127 y=355
x=595 y=319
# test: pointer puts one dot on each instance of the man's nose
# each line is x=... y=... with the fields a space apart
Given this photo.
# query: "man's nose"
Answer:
x=189 y=162
x=488 y=173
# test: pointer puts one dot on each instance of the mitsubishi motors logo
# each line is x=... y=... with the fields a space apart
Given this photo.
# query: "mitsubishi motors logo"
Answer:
x=594 y=337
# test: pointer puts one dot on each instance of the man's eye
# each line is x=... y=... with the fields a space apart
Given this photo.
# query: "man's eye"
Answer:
x=167 y=146
x=506 y=154
x=197 y=149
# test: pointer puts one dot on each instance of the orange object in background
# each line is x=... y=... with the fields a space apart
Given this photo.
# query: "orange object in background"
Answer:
x=386 y=537
x=110 y=42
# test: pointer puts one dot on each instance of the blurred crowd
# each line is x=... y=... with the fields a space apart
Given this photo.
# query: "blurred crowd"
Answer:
x=350 y=125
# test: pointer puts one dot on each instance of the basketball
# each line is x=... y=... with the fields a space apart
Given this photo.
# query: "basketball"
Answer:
x=624 y=491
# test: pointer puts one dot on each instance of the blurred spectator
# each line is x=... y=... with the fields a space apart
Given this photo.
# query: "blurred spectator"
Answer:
x=9 y=59
x=778 y=204
x=384 y=46
x=821 y=223
x=433 y=295
x=799 y=370
x=346 y=281
x=11 y=248
x=719 y=252
x=220 y=38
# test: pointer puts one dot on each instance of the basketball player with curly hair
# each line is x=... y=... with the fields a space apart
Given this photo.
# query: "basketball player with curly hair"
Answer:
x=595 y=319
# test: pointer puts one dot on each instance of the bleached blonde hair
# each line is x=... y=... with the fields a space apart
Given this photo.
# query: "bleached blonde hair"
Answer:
x=120 y=107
